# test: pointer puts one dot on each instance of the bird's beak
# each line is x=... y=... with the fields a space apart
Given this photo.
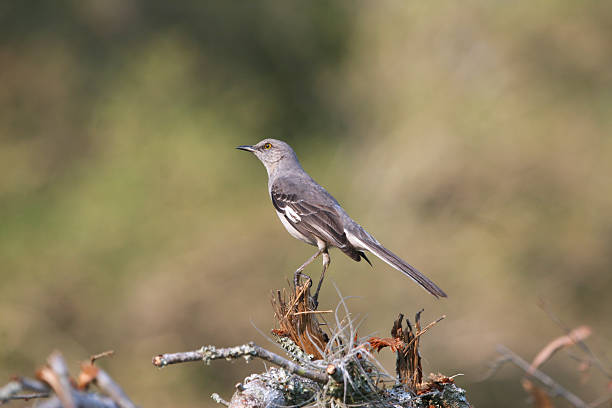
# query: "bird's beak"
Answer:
x=246 y=148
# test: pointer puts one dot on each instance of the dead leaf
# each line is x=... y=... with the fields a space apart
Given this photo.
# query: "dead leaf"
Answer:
x=47 y=375
x=88 y=374
x=540 y=397
x=297 y=320
x=377 y=343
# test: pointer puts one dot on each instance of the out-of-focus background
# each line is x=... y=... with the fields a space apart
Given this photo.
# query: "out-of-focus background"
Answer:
x=473 y=139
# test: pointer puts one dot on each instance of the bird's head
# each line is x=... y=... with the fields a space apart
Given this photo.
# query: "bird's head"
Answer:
x=271 y=152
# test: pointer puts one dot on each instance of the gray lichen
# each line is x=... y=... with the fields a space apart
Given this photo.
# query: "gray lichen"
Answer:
x=293 y=350
x=450 y=396
x=278 y=387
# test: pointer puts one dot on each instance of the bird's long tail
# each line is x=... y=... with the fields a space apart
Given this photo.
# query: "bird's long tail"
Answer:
x=398 y=263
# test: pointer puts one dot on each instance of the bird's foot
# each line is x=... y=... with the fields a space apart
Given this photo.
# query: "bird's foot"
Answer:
x=296 y=278
x=315 y=301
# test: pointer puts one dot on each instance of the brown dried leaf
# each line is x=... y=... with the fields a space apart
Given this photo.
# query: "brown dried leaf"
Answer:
x=540 y=397
x=47 y=375
x=377 y=343
x=435 y=382
x=297 y=319
x=88 y=374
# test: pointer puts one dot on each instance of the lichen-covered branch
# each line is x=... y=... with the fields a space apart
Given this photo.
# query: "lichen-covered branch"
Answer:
x=347 y=374
x=247 y=351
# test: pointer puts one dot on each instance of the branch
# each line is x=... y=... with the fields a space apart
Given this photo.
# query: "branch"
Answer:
x=217 y=398
x=14 y=389
x=114 y=391
x=421 y=332
x=541 y=377
x=55 y=373
x=54 y=377
x=592 y=357
x=82 y=400
x=575 y=336
x=248 y=351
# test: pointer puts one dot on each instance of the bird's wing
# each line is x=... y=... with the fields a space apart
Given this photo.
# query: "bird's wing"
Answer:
x=310 y=217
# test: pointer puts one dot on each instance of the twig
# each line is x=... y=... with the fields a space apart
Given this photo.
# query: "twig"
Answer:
x=598 y=363
x=13 y=390
x=541 y=377
x=217 y=398
x=248 y=351
x=114 y=391
x=298 y=296
x=335 y=372
x=494 y=367
x=107 y=353
x=421 y=332
x=24 y=397
x=83 y=400
x=570 y=339
x=312 y=311
x=56 y=375
x=33 y=385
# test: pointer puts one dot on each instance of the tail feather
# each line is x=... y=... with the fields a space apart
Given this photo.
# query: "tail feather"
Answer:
x=399 y=264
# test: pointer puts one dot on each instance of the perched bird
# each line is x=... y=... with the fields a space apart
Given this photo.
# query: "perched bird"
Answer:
x=311 y=214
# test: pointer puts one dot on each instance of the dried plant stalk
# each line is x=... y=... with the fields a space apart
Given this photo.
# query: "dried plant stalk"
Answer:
x=298 y=320
x=408 y=362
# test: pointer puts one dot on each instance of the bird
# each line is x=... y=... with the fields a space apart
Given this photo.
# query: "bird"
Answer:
x=312 y=215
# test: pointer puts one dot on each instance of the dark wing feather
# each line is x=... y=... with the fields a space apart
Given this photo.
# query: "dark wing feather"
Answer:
x=316 y=220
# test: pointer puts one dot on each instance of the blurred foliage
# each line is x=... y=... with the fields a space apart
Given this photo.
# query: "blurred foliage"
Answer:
x=473 y=139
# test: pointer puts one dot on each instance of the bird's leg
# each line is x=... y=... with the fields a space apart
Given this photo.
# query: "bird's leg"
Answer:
x=298 y=272
x=326 y=262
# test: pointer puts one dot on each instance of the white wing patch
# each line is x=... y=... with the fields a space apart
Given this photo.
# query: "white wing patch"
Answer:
x=292 y=215
x=356 y=242
x=291 y=230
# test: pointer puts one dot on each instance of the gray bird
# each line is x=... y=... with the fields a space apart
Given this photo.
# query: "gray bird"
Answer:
x=311 y=214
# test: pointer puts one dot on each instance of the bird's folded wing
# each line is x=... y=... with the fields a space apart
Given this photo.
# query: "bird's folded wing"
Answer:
x=310 y=218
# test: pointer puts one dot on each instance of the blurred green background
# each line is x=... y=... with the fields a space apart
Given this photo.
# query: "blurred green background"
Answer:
x=471 y=138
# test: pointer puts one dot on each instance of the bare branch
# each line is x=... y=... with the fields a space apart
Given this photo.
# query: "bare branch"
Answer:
x=541 y=377
x=14 y=389
x=592 y=357
x=494 y=367
x=114 y=391
x=248 y=351
x=55 y=373
x=25 y=397
x=54 y=377
x=421 y=332
x=83 y=400
x=217 y=398
x=570 y=339
x=33 y=385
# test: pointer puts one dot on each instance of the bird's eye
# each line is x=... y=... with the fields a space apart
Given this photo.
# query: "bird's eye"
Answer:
x=267 y=146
